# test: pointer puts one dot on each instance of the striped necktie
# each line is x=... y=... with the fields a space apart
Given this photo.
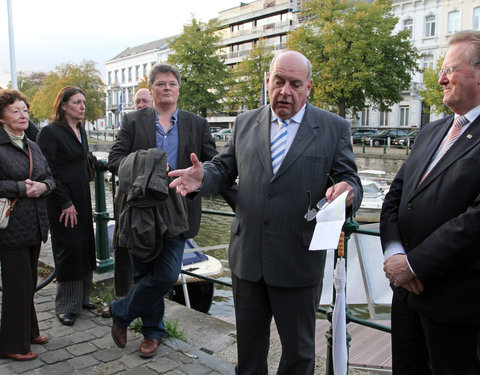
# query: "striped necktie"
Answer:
x=453 y=134
x=277 y=146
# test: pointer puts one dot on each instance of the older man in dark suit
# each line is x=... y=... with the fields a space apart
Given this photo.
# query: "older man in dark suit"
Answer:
x=178 y=133
x=284 y=155
x=429 y=230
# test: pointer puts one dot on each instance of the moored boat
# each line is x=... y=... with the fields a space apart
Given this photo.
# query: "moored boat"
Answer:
x=200 y=292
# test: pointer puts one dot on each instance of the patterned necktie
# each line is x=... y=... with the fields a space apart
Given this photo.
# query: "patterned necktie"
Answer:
x=277 y=146
x=453 y=134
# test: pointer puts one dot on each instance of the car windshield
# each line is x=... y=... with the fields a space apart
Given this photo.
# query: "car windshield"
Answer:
x=384 y=132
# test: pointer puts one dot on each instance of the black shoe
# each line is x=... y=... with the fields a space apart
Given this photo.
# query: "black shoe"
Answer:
x=89 y=306
x=66 y=319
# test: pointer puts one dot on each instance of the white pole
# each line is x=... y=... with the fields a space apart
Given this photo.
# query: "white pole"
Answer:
x=13 y=69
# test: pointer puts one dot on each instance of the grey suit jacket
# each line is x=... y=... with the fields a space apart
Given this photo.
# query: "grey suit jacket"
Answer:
x=438 y=223
x=269 y=235
x=138 y=132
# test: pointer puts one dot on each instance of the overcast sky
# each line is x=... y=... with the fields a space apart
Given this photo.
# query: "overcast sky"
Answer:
x=48 y=33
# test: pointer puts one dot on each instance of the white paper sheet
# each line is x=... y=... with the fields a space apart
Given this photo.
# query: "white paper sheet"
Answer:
x=329 y=225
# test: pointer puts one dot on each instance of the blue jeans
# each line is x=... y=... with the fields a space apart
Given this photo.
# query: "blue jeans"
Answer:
x=152 y=281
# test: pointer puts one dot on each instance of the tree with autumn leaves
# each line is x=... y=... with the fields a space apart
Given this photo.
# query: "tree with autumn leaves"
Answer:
x=357 y=59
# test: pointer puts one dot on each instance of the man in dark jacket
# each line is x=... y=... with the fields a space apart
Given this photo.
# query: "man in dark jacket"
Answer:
x=178 y=133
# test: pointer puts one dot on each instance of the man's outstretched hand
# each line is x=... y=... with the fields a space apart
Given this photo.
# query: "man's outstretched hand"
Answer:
x=188 y=180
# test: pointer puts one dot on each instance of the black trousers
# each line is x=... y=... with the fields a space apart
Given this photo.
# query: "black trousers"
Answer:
x=19 y=320
x=422 y=346
x=294 y=312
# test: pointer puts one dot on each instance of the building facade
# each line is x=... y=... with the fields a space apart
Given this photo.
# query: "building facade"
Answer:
x=125 y=71
x=240 y=29
x=430 y=23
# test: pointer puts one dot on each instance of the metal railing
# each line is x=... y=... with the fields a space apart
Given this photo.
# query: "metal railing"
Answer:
x=350 y=227
x=105 y=262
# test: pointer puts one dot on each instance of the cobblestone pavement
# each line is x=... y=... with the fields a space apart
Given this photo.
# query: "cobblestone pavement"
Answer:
x=87 y=348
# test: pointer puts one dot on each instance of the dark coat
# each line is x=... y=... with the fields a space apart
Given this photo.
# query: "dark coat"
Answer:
x=147 y=206
x=28 y=224
x=73 y=248
x=438 y=223
x=269 y=234
x=138 y=132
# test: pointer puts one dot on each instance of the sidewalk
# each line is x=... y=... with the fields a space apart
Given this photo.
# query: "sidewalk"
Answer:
x=87 y=348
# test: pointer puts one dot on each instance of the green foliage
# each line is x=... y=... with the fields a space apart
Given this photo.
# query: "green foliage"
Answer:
x=174 y=330
x=85 y=76
x=29 y=84
x=102 y=294
x=202 y=70
x=432 y=94
x=136 y=325
x=356 y=58
x=248 y=75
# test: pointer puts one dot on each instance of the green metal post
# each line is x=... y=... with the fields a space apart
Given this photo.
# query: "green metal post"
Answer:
x=363 y=147
x=348 y=228
x=104 y=261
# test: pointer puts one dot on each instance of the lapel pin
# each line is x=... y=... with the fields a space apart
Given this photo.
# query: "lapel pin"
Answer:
x=469 y=136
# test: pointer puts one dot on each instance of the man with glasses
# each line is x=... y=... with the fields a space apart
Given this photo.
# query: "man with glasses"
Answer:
x=122 y=273
x=143 y=99
x=429 y=229
x=284 y=155
x=178 y=133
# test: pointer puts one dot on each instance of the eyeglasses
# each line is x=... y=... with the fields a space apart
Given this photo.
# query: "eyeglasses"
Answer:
x=447 y=71
x=145 y=101
x=450 y=70
x=163 y=84
x=322 y=203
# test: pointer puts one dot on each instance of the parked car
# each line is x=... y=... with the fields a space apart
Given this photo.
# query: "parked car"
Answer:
x=403 y=141
x=358 y=135
x=214 y=129
x=222 y=134
x=381 y=138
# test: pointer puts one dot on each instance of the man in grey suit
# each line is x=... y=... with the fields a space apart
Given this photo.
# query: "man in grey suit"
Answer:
x=178 y=133
x=429 y=228
x=273 y=272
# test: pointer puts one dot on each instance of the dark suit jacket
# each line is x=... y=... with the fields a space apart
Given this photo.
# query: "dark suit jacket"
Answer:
x=138 y=132
x=269 y=235
x=438 y=223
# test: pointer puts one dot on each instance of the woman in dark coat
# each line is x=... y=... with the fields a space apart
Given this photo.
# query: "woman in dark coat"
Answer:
x=27 y=227
x=64 y=144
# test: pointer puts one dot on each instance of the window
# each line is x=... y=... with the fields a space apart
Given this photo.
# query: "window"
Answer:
x=383 y=118
x=129 y=74
x=476 y=18
x=365 y=116
x=123 y=75
x=109 y=78
x=428 y=62
x=404 y=115
x=116 y=76
x=453 y=22
x=408 y=26
x=430 y=26
x=137 y=71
